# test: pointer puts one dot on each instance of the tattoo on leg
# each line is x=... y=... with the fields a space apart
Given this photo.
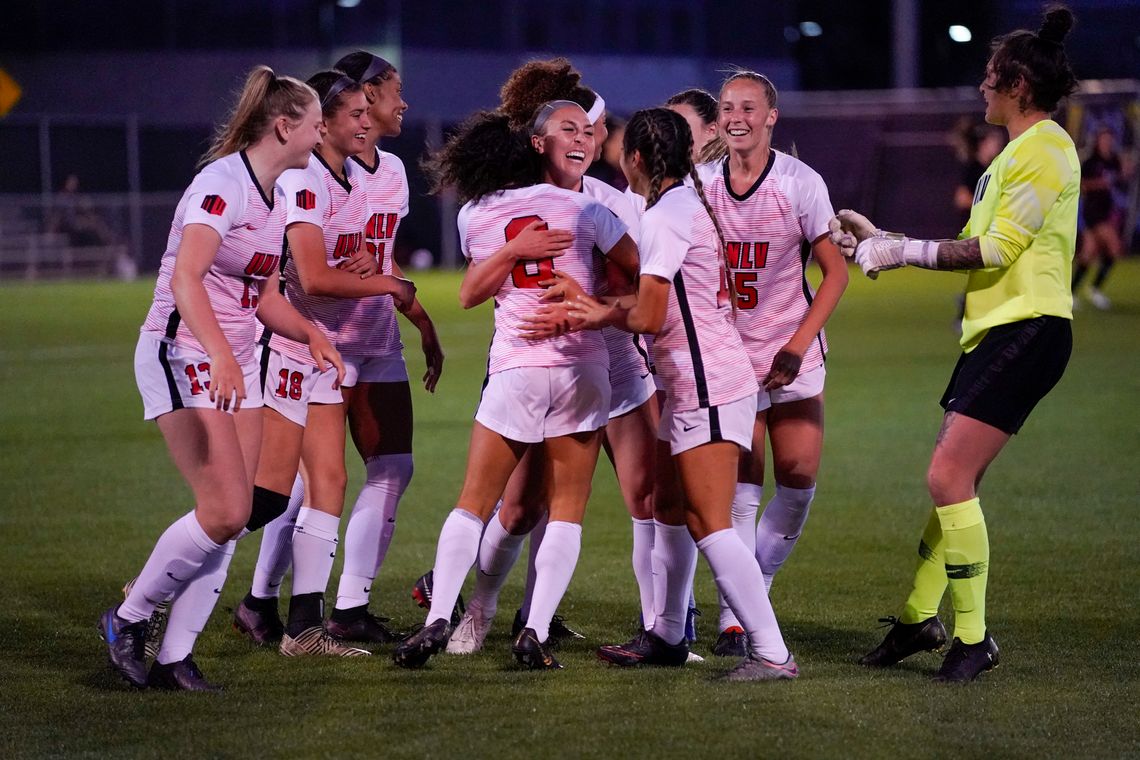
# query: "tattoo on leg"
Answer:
x=960 y=254
x=943 y=431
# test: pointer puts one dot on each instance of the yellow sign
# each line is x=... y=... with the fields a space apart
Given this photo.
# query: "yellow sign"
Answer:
x=10 y=93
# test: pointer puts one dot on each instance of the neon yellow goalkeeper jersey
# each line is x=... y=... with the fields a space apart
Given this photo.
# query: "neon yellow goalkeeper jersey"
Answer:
x=1025 y=214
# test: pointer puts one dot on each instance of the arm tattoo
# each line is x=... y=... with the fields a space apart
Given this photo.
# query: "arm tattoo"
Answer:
x=960 y=254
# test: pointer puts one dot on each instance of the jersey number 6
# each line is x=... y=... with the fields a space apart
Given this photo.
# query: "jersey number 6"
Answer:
x=527 y=273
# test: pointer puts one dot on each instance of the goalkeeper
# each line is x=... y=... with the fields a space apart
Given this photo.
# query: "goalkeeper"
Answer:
x=1017 y=249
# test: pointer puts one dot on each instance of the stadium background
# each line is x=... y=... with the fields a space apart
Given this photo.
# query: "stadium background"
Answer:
x=123 y=94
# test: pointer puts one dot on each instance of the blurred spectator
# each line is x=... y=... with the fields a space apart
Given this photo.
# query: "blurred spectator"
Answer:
x=73 y=214
x=1102 y=174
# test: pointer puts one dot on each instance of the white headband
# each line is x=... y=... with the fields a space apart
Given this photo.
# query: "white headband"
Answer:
x=597 y=109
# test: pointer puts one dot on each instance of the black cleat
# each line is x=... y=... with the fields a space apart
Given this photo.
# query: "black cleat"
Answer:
x=559 y=632
x=965 y=662
x=533 y=654
x=646 y=648
x=756 y=668
x=155 y=626
x=126 y=646
x=179 y=676
x=362 y=626
x=259 y=620
x=905 y=639
x=732 y=642
x=421 y=593
x=417 y=649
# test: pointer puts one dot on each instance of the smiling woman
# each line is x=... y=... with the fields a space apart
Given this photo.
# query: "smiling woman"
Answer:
x=554 y=392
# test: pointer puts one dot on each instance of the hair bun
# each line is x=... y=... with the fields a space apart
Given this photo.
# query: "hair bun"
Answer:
x=1056 y=24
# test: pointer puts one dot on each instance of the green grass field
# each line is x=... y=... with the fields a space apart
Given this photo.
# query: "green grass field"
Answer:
x=88 y=487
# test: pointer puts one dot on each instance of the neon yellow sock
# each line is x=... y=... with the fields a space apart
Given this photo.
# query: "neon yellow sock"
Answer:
x=967 y=552
x=929 y=576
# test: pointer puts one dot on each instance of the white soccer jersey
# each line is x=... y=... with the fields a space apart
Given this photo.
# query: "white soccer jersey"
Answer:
x=699 y=355
x=764 y=230
x=339 y=206
x=629 y=356
x=369 y=328
x=224 y=196
x=484 y=228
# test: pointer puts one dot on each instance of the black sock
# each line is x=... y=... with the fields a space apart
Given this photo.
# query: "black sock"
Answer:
x=350 y=615
x=1102 y=275
x=305 y=611
x=258 y=604
x=1078 y=275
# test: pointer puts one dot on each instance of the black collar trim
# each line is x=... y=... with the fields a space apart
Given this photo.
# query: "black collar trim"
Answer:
x=366 y=167
x=342 y=181
x=755 y=185
x=260 y=191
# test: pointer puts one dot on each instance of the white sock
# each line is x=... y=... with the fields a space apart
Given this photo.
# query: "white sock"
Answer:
x=643 y=567
x=554 y=567
x=276 y=554
x=175 y=559
x=740 y=582
x=780 y=527
x=536 y=536
x=454 y=555
x=192 y=607
x=370 y=528
x=314 y=549
x=498 y=552
x=674 y=564
x=745 y=505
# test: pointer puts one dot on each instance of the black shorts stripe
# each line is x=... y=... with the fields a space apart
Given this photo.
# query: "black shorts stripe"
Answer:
x=487 y=373
x=172 y=324
x=714 y=425
x=640 y=346
x=171 y=385
x=265 y=362
x=694 y=345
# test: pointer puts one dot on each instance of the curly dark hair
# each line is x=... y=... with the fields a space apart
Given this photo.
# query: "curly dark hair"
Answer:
x=483 y=156
x=538 y=82
x=1039 y=59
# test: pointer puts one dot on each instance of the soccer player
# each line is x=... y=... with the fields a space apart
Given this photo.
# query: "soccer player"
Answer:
x=710 y=402
x=328 y=266
x=377 y=395
x=196 y=367
x=774 y=210
x=1016 y=336
x=554 y=392
x=1101 y=237
x=629 y=435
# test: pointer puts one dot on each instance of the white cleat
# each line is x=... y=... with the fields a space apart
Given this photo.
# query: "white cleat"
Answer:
x=694 y=657
x=470 y=634
x=1099 y=300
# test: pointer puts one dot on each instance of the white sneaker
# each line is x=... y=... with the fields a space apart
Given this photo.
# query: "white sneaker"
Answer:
x=470 y=634
x=1099 y=300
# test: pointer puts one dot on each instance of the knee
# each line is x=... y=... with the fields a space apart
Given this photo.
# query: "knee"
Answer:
x=948 y=484
x=518 y=521
x=329 y=477
x=795 y=473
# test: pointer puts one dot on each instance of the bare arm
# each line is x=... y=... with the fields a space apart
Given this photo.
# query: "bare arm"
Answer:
x=195 y=256
x=307 y=246
x=482 y=280
x=429 y=339
x=960 y=254
x=278 y=315
x=786 y=364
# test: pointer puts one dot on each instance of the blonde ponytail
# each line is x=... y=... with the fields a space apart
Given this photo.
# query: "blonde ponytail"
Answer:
x=263 y=98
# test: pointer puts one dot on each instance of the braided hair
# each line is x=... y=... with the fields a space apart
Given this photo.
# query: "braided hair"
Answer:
x=1039 y=59
x=665 y=143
